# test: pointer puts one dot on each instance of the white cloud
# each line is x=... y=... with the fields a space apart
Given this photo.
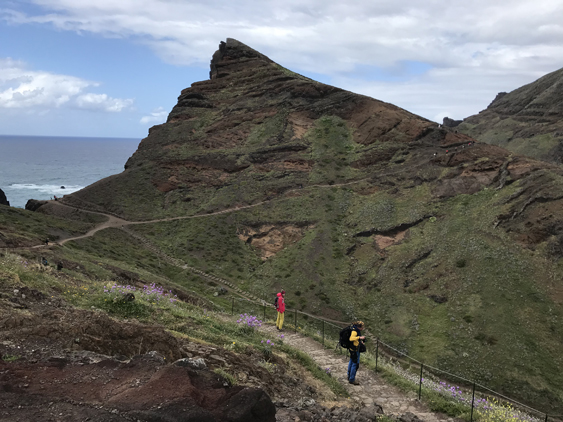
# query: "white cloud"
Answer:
x=102 y=102
x=158 y=115
x=476 y=39
x=441 y=92
x=21 y=88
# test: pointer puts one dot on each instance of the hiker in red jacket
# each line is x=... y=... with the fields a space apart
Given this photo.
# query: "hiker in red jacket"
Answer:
x=280 y=306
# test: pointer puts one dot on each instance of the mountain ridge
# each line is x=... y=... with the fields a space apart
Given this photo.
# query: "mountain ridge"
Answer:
x=527 y=120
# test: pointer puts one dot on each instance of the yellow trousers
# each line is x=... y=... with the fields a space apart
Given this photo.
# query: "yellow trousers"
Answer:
x=279 y=321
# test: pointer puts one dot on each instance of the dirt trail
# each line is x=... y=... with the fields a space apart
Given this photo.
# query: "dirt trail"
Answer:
x=372 y=388
x=115 y=221
x=112 y=222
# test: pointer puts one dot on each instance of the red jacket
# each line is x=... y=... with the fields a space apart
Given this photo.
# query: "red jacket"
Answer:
x=281 y=303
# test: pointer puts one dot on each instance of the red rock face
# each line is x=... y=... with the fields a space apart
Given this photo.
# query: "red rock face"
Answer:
x=111 y=391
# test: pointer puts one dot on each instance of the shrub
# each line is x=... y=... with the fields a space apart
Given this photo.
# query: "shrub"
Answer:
x=229 y=379
x=270 y=367
x=248 y=324
x=267 y=349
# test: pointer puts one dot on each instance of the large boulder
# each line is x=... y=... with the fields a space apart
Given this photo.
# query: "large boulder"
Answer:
x=3 y=199
x=34 y=204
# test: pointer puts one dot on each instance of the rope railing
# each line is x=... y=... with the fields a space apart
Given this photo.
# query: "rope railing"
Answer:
x=430 y=368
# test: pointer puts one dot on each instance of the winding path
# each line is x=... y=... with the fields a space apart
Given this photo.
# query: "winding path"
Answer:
x=115 y=221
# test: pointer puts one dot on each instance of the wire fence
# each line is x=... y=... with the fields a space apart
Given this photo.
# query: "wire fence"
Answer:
x=429 y=379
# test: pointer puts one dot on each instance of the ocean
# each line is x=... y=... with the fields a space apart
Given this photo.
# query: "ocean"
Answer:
x=37 y=167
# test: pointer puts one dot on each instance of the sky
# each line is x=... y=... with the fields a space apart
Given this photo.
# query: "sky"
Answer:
x=114 y=68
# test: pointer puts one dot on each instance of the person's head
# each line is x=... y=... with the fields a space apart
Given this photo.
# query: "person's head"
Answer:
x=283 y=293
x=359 y=324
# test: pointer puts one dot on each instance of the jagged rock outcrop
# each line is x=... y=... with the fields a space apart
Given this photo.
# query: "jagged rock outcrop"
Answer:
x=528 y=120
x=447 y=122
x=3 y=199
x=497 y=98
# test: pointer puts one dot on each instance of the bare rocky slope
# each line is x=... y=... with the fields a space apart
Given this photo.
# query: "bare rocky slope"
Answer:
x=449 y=248
x=528 y=120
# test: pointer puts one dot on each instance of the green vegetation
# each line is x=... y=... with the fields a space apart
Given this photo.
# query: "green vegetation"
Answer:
x=533 y=139
x=332 y=150
x=10 y=358
x=441 y=279
x=445 y=294
x=20 y=227
x=87 y=289
x=230 y=378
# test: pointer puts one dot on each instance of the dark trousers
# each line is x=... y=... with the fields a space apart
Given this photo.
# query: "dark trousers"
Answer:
x=353 y=365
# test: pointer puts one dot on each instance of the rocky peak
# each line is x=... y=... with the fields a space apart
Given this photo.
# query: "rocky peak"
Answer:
x=257 y=123
x=447 y=122
x=542 y=98
x=498 y=98
x=230 y=52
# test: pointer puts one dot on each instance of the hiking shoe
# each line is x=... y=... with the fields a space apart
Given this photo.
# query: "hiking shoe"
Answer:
x=354 y=382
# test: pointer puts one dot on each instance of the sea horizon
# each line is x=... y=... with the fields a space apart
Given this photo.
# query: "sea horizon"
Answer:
x=68 y=137
x=41 y=167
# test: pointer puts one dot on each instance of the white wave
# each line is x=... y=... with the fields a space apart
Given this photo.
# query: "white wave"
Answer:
x=48 y=189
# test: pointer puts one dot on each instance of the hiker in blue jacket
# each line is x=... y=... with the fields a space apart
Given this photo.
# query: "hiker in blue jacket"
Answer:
x=355 y=339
